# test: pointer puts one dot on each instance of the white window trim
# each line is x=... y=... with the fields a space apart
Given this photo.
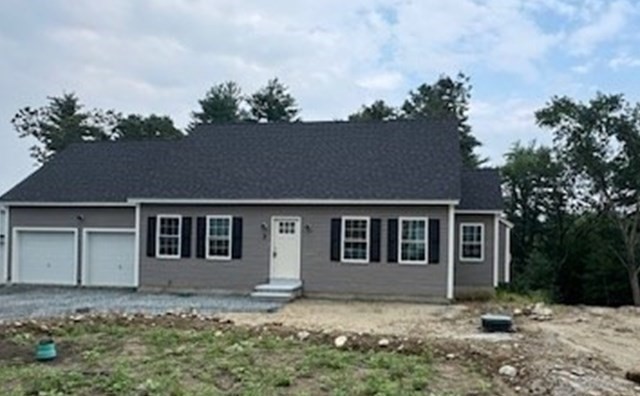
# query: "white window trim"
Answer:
x=179 y=236
x=461 y=242
x=426 y=240
x=208 y=236
x=343 y=231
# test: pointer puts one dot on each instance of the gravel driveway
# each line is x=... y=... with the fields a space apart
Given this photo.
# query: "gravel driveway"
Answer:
x=18 y=302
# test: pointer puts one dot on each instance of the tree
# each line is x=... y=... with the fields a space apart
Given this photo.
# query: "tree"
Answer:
x=273 y=103
x=138 y=127
x=59 y=123
x=222 y=103
x=599 y=143
x=536 y=193
x=446 y=98
x=377 y=111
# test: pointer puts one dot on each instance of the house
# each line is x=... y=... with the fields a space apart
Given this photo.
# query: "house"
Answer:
x=380 y=209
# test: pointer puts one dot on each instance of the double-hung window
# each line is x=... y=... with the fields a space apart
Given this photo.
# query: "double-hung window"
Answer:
x=355 y=239
x=219 y=237
x=471 y=242
x=169 y=233
x=413 y=240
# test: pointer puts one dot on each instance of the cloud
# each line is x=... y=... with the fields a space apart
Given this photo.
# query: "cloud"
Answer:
x=381 y=81
x=602 y=26
x=498 y=124
x=624 y=60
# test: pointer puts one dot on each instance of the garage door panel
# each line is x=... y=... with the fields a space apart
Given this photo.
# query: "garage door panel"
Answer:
x=110 y=259
x=45 y=257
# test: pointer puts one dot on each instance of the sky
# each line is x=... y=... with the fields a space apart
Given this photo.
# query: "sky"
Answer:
x=161 y=56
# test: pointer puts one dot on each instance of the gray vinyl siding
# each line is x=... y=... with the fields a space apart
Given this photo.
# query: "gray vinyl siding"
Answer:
x=472 y=275
x=79 y=218
x=318 y=273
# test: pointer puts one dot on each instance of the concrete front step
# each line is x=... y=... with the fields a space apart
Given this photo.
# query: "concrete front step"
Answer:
x=278 y=289
x=274 y=296
x=284 y=287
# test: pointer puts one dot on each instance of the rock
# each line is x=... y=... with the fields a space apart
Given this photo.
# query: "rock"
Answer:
x=577 y=372
x=508 y=371
x=450 y=356
x=340 y=341
x=634 y=375
x=541 y=312
x=303 y=335
x=537 y=387
x=517 y=312
x=384 y=342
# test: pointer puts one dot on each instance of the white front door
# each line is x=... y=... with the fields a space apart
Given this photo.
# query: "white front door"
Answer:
x=285 y=247
x=109 y=258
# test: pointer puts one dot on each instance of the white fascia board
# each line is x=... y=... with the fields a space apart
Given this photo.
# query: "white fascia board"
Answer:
x=72 y=204
x=289 y=201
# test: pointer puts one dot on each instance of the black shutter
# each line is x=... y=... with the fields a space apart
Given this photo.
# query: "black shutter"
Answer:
x=335 y=239
x=236 y=244
x=392 y=242
x=201 y=234
x=374 y=249
x=151 y=237
x=434 y=241
x=185 y=248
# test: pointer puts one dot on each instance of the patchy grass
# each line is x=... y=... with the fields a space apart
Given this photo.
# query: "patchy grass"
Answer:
x=114 y=358
x=504 y=296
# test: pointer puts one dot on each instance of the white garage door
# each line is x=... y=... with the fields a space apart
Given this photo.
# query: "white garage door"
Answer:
x=45 y=257
x=109 y=258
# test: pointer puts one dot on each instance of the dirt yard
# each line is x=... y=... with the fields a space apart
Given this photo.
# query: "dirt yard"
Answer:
x=329 y=347
x=575 y=351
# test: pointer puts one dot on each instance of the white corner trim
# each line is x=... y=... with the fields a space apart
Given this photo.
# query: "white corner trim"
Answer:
x=426 y=240
x=496 y=248
x=6 y=233
x=85 y=242
x=342 y=239
x=72 y=204
x=14 y=247
x=506 y=222
x=136 y=248
x=461 y=243
x=179 y=236
x=507 y=256
x=450 y=253
x=292 y=201
x=208 y=237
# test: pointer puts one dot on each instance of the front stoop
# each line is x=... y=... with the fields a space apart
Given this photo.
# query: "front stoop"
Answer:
x=278 y=290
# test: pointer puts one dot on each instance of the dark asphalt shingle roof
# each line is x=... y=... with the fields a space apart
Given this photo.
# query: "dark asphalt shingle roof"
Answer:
x=404 y=160
x=481 y=190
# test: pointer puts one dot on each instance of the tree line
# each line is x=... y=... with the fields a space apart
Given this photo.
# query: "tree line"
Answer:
x=575 y=203
x=63 y=120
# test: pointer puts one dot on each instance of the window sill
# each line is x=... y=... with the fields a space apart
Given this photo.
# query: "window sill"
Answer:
x=413 y=263
x=218 y=258
x=471 y=261
x=349 y=262
x=168 y=257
